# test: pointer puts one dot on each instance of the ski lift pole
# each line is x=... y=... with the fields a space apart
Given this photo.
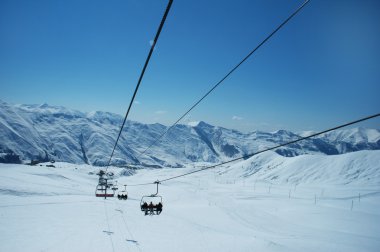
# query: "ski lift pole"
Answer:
x=105 y=192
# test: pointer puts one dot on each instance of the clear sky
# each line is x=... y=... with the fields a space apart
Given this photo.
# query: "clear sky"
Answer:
x=320 y=70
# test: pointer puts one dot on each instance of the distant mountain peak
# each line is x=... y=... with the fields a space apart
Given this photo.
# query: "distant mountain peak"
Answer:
x=44 y=105
x=285 y=133
x=203 y=124
x=193 y=123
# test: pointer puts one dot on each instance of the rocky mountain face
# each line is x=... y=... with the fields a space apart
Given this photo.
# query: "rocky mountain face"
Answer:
x=44 y=132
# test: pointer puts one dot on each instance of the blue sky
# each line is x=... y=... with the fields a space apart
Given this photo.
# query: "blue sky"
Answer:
x=320 y=70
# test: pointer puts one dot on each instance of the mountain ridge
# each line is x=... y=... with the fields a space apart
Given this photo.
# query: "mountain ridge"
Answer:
x=44 y=132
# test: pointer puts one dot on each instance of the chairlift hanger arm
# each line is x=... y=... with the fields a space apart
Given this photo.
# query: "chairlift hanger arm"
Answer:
x=157 y=182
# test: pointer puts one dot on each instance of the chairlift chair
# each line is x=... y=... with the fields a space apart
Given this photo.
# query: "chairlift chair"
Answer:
x=151 y=204
x=123 y=195
x=104 y=190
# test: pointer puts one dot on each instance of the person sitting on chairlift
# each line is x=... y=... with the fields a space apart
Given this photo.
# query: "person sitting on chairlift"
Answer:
x=151 y=207
x=144 y=206
x=159 y=208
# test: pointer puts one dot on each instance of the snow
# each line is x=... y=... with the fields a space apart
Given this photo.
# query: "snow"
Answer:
x=193 y=123
x=45 y=132
x=355 y=135
x=228 y=208
x=360 y=167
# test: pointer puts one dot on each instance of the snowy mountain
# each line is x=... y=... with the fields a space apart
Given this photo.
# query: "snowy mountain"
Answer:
x=44 y=132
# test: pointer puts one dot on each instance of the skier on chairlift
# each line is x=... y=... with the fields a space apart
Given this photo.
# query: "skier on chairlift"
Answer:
x=151 y=207
x=159 y=208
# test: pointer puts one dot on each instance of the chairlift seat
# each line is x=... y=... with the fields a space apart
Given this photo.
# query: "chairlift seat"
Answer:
x=156 y=207
x=101 y=190
x=122 y=196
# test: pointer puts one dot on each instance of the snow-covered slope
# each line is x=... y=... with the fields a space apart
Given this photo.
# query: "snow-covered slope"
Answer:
x=266 y=203
x=362 y=167
x=44 y=132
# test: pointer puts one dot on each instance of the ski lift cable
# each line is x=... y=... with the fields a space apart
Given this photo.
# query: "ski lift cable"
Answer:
x=141 y=76
x=226 y=76
x=143 y=184
x=265 y=150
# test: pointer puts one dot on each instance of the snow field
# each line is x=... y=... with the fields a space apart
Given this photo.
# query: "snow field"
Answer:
x=54 y=209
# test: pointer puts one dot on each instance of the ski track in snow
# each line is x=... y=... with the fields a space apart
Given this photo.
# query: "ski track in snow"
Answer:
x=45 y=209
